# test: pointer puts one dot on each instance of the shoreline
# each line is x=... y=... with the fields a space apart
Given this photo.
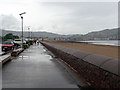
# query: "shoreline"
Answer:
x=106 y=50
x=93 y=43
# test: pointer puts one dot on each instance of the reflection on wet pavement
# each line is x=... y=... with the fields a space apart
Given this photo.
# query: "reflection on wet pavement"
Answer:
x=35 y=68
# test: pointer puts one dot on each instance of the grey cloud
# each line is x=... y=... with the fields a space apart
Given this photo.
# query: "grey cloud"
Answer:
x=85 y=8
x=9 y=22
x=68 y=17
x=84 y=17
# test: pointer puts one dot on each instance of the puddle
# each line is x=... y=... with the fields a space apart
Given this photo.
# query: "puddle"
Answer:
x=50 y=57
x=24 y=56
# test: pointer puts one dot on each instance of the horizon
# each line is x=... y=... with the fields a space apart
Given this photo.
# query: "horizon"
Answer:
x=62 y=34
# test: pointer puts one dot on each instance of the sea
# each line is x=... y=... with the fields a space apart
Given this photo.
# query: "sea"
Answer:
x=103 y=42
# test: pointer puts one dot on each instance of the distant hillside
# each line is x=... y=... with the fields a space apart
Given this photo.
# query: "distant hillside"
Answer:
x=104 y=34
x=111 y=34
x=34 y=34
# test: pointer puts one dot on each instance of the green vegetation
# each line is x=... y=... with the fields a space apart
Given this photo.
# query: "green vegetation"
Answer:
x=25 y=46
x=9 y=36
x=30 y=42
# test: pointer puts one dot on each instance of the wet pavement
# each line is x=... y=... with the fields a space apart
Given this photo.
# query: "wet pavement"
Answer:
x=35 y=68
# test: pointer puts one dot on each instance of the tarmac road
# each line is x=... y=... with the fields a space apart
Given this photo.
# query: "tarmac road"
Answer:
x=35 y=68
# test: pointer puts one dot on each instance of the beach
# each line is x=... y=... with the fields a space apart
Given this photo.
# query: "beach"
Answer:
x=106 y=50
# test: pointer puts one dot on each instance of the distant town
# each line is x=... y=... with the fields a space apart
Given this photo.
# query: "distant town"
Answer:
x=107 y=34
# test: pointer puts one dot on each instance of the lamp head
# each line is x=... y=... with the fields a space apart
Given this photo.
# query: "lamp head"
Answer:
x=22 y=13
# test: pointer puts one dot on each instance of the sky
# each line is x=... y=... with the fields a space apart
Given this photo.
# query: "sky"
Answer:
x=62 y=17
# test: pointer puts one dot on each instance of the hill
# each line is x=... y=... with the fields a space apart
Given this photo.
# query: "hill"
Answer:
x=106 y=34
x=111 y=34
x=33 y=34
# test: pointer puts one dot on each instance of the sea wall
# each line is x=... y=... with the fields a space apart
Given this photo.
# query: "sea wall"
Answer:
x=100 y=71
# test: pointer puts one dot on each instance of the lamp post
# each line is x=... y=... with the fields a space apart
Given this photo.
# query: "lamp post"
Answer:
x=28 y=32
x=31 y=35
x=22 y=25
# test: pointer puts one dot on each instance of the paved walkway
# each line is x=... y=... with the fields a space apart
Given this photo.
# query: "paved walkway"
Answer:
x=35 y=68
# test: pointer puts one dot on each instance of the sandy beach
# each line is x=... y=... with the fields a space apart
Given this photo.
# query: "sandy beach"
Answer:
x=111 y=51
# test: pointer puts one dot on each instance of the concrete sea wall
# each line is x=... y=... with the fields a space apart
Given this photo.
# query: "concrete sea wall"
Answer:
x=100 y=71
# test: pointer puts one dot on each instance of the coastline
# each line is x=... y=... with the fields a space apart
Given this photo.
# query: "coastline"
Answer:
x=106 y=50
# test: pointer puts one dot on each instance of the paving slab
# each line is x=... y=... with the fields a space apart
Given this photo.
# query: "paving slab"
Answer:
x=35 y=68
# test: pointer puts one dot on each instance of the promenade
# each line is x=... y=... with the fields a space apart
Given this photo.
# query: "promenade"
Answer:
x=35 y=68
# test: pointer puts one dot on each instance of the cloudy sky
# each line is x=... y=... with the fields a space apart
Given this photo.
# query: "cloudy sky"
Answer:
x=59 y=17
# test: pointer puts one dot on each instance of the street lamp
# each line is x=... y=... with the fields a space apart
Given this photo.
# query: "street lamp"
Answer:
x=31 y=35
x=22 y=25
x=28 y=32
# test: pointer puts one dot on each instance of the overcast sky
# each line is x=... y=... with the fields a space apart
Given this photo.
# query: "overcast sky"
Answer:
x=59 y=17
